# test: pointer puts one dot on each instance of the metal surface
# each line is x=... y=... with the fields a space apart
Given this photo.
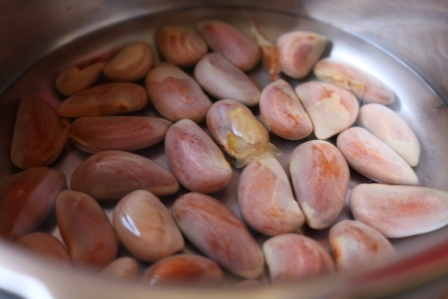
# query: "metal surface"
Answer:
x=88 y=28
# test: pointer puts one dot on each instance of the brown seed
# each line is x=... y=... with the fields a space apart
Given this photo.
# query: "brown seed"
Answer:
x=123 y=268
x=196 y=161
x=145 y=226
x=292 y=257
x=106 y=99
x=113 y=174
x=76 y=78
x=355 y=244
x=46 y=245
x=184 y=269
x=175 y=94
x=125 y=133
x=131 y=63
x=39 y=136
x=26 y=199
x=400 y=211
x=320 y=176
x=85 y=229
x=218 y=233
x=231 y=42
x=181 y=46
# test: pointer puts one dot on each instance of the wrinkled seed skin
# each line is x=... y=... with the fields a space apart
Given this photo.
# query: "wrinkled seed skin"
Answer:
x=299 y=51
x=27 y=198
x=196 y=161
x=400 y=211
x=266 y=200
x=231 y=42
x=45 y=244
x=218 y=233
x=238 y=132
x=283 y=113
x=184 y=269
x=131 y=63
x=76 y=78
x=355 y=244
x=125 y=268
x=292 y=257
x=111 y=175
x=365 y=86
x=181 y=46
x=125 y=133
x=175 y=94
x=85 y=229
x=223 y=80
x=39 y=136
x=332 y=109
x=105 y=99
x=145 y=226
x=320 y=177
x=388 y=126
x=373 y=158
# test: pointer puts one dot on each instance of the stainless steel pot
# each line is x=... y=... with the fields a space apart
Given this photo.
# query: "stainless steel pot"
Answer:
x=411 y=36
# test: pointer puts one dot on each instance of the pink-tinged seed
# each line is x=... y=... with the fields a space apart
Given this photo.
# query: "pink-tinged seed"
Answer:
x=27 y=198
x=283 y=113
x=223 y=80
x=218 y=232
x=400 y=211
x=85 y=229
x=125 y=268
x=299 y=51
x=113 y=174
x=231 y=42
x=131 y=63
x=355 y=244
x=181 y=46
x=46 y=245
x=320 y=177
x=184 y=269
x=125 y=133
x=238 y=132
x=175 y=94
x=373 y=158
x=76 y=78
x=145 y=226
x=332 y=109
x=292 y=257
x=365 y=86
x=388 y=126
x=196 y=161
x=266 y=200
x=39 y=135
x=106 y=99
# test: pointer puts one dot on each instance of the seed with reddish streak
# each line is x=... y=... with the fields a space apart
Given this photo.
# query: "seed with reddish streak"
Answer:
x=26 y=199
x=331 y=108
x=218 y=233
x=46 y=245
x=145 y=226
x=76 y=78
x=85 y=229
x=266 y=199
x=231 y=42
x=196 y=161
x=400 y=211
x=106 y=99
x=292 y=257
x=181 y=46
x=355 y=244
x=320 y=176
x=123 y=268
x=39 y=136
x=186 y=269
